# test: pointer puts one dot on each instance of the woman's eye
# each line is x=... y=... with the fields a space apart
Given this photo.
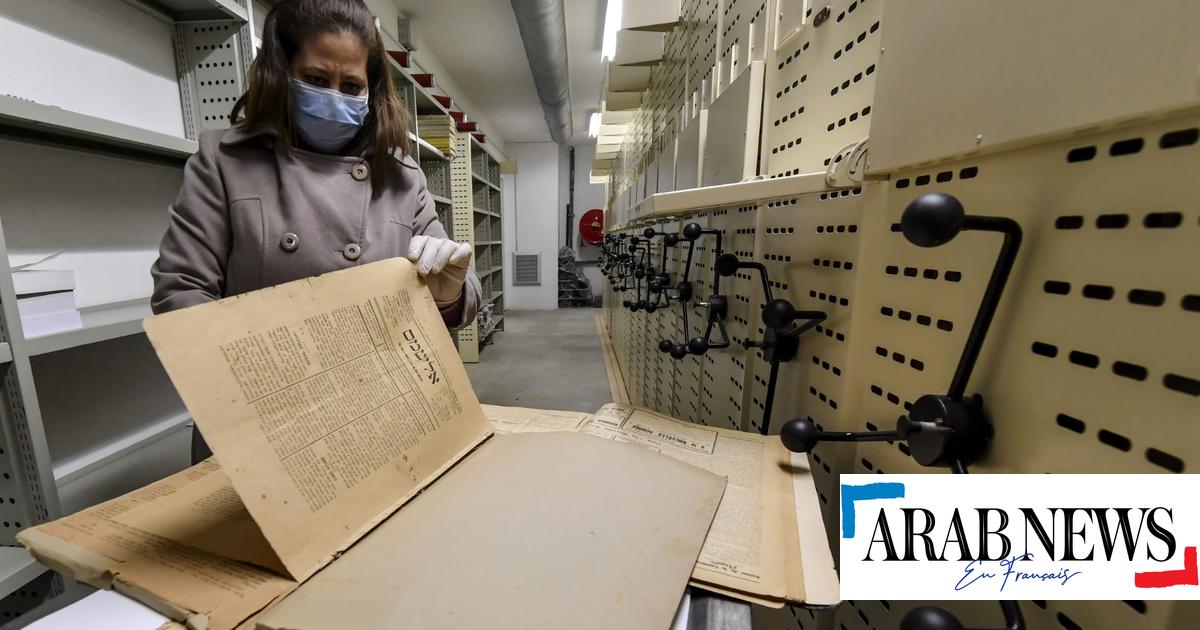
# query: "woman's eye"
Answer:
x=353 y=89
x=317 y=81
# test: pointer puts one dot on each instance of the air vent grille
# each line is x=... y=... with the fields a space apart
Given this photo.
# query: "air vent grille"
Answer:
x=527 y=269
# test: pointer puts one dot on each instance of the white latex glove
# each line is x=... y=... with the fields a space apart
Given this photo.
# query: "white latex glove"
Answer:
x=443 y=263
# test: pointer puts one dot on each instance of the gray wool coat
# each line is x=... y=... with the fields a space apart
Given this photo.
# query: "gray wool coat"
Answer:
x=253 y=214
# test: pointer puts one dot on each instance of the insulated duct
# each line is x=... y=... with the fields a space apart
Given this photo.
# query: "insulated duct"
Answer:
x=543 y=27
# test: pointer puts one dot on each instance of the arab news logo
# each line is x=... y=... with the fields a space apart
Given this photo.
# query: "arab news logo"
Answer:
x=1157 y=522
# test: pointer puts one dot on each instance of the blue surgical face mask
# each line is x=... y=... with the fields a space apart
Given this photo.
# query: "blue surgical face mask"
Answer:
x=326 y=119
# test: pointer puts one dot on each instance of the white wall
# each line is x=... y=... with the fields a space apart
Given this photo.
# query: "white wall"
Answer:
x=531 y=221
x=98 y=57
x=587 y=196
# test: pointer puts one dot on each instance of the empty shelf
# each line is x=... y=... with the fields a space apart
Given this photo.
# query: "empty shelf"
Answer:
x=481 y=180
x=73 y=127
x=194 y=10
x=105 y=454
x=17 y=568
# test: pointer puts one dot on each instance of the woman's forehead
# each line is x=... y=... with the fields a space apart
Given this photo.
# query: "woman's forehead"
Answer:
x=330 y=51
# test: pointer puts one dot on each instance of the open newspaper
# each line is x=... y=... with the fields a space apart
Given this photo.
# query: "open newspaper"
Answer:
x=329 y=403
x=753 y=551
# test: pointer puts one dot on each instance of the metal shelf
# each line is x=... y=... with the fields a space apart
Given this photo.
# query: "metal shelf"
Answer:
x=426 y=104
x=17 y=568
x=489 y=272
x=441 y=199
x=487 y=212
x=81 y=129
x=481 y=180
x=5 y=352
x=483 y=147
x=192 y=10
x=83 y=465
x=487 y=242
x=437 y=153
x=495 y=296
x=99 y=324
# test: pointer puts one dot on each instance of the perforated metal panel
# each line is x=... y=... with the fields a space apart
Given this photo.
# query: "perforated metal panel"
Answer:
x=462 y=227
x=437 y=176
x=212 y=59
x=1090 y=364
x=1023 y=70
x=820 y=91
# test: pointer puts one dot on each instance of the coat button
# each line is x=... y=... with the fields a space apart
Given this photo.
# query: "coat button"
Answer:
x=352 y=251
x=290 y=242
x=360 y=172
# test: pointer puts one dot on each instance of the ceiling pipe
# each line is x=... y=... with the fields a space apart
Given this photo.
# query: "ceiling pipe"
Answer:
x=543 y=28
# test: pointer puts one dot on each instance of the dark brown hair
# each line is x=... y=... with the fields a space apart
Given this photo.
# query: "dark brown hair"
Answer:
x=268 y=100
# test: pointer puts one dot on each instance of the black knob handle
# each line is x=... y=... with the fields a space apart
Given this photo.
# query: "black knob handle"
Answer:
x=726 y=265
x=932 y=618
x=932 y=219
x=778 y=314
x=665 y=345
x=929 y=618
x=802 y=436
x=799 y=436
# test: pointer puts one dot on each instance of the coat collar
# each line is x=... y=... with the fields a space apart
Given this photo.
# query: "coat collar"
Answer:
x=237 y=135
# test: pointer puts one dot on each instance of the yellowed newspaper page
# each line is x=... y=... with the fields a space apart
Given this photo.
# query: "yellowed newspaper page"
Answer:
x=95 y=547
x=328 y=401
x=526 y=533
x=528 y=420
x=754 y=533
x=209 y=515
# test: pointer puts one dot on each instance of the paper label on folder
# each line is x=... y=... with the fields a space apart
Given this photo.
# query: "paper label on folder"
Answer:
x=327 y=401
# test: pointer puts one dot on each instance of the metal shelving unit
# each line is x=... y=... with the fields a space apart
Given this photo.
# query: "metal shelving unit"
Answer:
x=477 y=220
x=87 y=412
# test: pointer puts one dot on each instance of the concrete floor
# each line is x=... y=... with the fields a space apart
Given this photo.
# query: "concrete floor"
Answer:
x=545 y=360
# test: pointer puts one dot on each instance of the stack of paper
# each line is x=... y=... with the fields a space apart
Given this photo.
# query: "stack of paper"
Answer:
x=440 y=131
x=45 y=298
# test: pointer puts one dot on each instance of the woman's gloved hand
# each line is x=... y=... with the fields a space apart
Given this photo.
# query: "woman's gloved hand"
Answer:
x=443 y=263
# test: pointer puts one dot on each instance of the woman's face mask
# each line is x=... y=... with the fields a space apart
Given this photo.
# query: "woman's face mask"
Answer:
x=326 y=119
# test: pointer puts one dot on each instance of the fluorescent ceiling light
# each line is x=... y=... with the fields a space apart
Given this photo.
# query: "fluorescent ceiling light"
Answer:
x=612 y=23
x=594 y=125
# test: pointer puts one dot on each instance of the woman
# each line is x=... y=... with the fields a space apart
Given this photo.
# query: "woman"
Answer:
x=313 y=176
